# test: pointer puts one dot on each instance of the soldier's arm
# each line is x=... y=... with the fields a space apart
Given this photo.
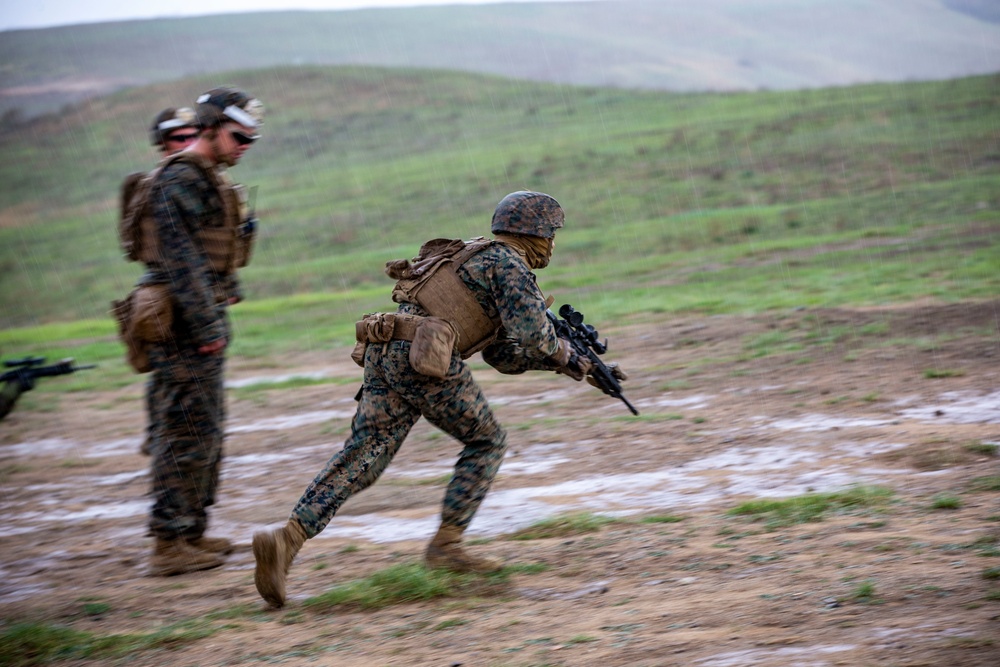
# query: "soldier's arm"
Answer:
x=527 y=339
x=178 y=208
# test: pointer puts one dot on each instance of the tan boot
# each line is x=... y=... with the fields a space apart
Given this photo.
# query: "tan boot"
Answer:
x=445 y=552
x=216 y=545
x=274 y=552
x=172 y=557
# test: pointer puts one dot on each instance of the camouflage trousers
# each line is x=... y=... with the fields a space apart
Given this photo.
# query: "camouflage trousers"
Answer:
x=187 y=411
x=393 y=398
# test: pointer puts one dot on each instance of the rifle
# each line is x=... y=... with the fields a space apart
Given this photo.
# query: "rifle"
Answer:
x=585 y=342
x=22 y=377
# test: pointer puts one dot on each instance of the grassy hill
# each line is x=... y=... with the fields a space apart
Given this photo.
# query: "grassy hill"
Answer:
x=661 y=44
x=711 y=202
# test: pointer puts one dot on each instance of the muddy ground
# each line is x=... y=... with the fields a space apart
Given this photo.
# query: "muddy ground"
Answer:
x=733 y=409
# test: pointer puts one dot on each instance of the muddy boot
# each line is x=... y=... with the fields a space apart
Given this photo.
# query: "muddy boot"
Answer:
x=216 y=545
x=274 y=552
x=172 y=557
x=445 y=552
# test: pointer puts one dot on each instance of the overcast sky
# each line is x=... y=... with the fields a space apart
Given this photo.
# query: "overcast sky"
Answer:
x=47 y=13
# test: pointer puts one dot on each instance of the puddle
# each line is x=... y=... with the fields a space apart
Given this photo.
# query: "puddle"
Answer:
x=780 y=470
x=275 y=379
x=823 y=423
x=290 y=421
x=766 y=656
x=959 y=408
x=763 y=472
x=246 y=466
x=531 y=399
x=522 y=461
x=694 y=402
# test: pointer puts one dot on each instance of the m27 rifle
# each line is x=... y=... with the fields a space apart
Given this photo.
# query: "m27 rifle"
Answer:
x=22 y=375
x=586 y=342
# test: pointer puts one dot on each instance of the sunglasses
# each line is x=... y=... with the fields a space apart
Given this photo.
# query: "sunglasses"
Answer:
x=182 y=138
x=242 y=138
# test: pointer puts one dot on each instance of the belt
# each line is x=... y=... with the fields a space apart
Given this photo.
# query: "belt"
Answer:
x=383 y=327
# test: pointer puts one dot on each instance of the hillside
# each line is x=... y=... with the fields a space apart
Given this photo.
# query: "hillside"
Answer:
x=660 y=44
x=731 y=201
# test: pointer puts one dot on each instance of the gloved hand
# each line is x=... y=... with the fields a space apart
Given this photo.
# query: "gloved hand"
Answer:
x=616 y=372
x=569 y=362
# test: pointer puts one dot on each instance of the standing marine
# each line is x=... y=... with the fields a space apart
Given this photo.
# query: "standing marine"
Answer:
x=187 y=232
x=172 y=130
x=455 y=298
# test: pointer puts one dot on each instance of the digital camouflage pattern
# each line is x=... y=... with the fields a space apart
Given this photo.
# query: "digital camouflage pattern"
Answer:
x=531 y=213
x=184 y=202
x=187 y=431
x=394 y=397
x=187 y=387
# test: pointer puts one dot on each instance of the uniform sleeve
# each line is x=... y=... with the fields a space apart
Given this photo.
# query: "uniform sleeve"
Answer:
x=179 y=210
x=526 y=339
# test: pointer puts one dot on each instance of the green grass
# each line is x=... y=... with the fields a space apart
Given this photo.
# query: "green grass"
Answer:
x=985 y=483
x=983 y=448
x=402 y=584
x=812 y=506
x=562 y=526
x=719 y=204
x=946 y=501
x=29 y=644
x=864 y=592
x=661 y=518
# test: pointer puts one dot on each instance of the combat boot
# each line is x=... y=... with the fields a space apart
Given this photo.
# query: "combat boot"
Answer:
x=445 y=552
x=274 y=552
x=216 y=545
x=172 y=557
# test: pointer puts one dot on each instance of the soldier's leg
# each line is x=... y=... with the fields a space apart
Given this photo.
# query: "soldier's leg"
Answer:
x=186 y=458
x=214 y=392
x=152 y=388
x=187 y=444
x=380 y=425
x=457 y=406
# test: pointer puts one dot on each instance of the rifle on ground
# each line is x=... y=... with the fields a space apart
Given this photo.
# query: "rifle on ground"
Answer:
x=23 y=374
x=586 y=342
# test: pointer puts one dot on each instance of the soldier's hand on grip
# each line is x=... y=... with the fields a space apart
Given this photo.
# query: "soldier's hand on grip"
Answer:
x=616 y=372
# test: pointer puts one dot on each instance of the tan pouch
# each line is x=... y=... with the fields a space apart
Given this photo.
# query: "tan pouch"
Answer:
x=358 y=353
x=152 y=313
x=433 y=343
x=136 y=351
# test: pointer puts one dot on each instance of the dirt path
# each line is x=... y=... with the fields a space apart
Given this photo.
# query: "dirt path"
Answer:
x=733 y=409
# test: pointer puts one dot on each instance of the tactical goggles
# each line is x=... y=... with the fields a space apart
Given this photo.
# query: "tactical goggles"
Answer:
x=242 y=138
x=182 y=138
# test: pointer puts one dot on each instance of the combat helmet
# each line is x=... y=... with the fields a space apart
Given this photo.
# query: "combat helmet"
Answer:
x=529 y=213
x=171 y=119
x=222 y=104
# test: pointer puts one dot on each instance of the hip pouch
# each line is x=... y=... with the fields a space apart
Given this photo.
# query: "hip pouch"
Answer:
x=372 y=328
x=432 y=346
x=152 y=313
x=144 y=317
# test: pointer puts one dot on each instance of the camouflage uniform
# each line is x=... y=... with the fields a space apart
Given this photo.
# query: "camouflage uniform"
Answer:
x=486 y=299
x=394 y=396
x=188 y=388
